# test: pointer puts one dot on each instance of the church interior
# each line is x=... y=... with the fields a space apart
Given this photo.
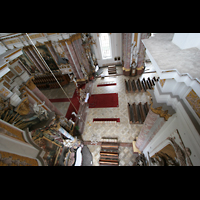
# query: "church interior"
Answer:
x=99 y=99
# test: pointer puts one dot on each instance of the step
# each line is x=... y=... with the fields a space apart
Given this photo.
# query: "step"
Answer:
x=108 y=158
x=109 y=150
x=113 y=154
x=108 y=162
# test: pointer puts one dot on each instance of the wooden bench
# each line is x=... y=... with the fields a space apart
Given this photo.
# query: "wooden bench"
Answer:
x=142 y=114
x=143 y=85
x=130 y=86
x=126 y=85
x=130 y=113
x=136 y=120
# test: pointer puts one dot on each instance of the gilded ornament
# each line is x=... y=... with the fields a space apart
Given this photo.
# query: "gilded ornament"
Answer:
x=161 y=112
x=30 y=84
x=194 y=100
x=23 y=108
x=139 y=68
x=127 y=70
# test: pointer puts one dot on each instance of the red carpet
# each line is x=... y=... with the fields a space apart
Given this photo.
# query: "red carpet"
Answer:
x=107 y=119
x=103 y=100
x=110 y=84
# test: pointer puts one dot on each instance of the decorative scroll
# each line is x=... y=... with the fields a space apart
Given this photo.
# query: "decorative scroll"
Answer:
x=23 y=108
x=162 y=81
x=30 y=84
x=194 y=100
x=161 y=112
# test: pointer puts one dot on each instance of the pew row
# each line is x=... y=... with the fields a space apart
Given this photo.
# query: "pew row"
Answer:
x=139 y=85
x=137 y=112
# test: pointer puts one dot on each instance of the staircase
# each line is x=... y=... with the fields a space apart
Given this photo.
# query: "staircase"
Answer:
x=109 y=154
x=112 y=69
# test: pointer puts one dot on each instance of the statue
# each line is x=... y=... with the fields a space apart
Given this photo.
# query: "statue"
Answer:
x=40 y=111
x=157 y=161
x=78 y=116
x=73 y=145
x=84 y=37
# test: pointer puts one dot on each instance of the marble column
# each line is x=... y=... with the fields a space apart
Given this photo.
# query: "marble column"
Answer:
x=23 y=66
x=141 y=55
x=151 y=126
x=32 y=59
x=62 y=42
x=42 y=97
x=85 y=60
x=126 y=46
x=75 y=59
x=38 y=59
x=77 y=45
x=52 y=51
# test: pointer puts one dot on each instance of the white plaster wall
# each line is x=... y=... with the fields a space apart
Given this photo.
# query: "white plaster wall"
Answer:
x=2 y=49
x=187 y=40
x=186 y=130
x=116 y=45
x=176 y=88
x=180 y=121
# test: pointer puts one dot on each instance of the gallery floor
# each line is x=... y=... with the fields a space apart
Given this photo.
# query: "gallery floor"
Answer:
x=123 y=130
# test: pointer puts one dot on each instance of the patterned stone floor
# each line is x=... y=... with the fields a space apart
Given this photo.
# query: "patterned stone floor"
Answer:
x=124 y=131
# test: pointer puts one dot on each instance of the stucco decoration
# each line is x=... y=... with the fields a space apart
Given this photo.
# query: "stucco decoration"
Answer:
x=194 y=100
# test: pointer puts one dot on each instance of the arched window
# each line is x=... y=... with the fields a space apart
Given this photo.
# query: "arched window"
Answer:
x=105 y=44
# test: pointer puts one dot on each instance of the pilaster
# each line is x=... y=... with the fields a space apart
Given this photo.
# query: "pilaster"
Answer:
x=126 y=47
x=26 y=50
x=158 y=114
x=36 y=56
x=62 y=42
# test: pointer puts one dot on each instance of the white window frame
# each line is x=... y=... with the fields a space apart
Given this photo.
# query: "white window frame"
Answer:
x=104 y=58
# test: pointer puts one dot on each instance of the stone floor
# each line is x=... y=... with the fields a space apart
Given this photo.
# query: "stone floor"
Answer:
x=124 y=131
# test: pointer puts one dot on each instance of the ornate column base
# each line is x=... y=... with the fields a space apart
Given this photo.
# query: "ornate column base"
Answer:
x=126 y=72
x=139 y=70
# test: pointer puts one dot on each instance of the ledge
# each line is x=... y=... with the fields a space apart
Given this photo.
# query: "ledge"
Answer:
x=169 y=56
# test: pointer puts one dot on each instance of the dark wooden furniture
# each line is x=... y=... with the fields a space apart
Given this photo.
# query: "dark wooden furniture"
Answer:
x=44 y=81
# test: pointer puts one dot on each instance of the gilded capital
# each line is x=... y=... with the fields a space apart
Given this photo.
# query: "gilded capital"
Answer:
x=48 y=43
x=160 y=112
x=127 y=70
x=23 y=108
x=30 y=84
